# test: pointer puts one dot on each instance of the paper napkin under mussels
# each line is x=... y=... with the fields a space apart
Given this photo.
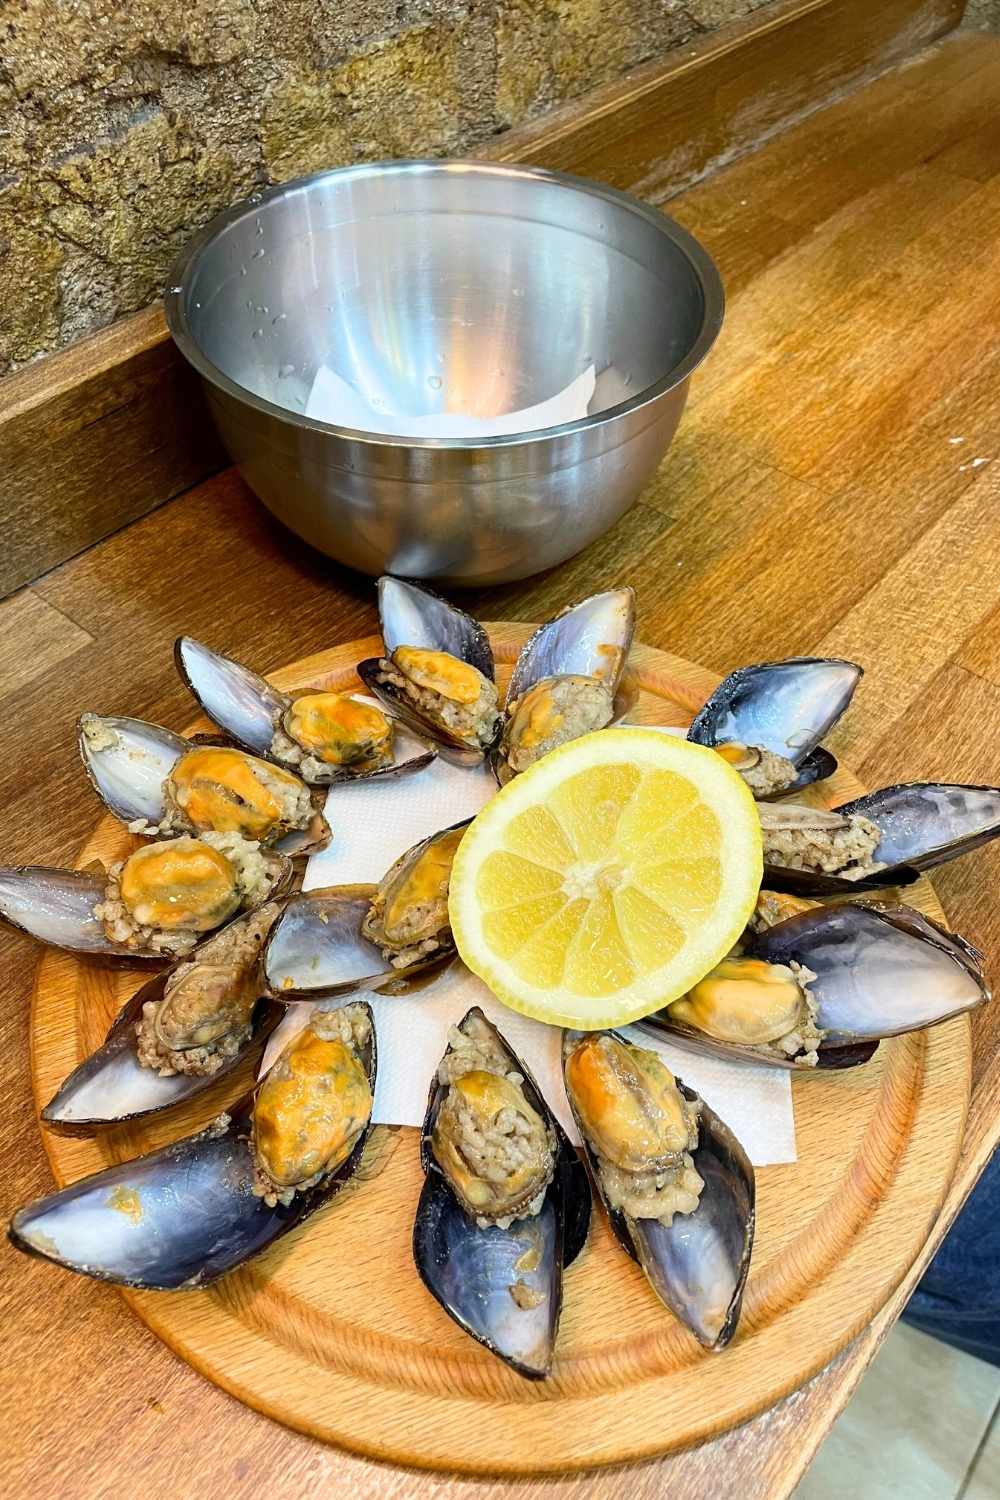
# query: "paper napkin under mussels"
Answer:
x=372 y=825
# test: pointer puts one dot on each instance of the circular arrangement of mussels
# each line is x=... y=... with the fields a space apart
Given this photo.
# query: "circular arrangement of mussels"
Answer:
x=210 y=895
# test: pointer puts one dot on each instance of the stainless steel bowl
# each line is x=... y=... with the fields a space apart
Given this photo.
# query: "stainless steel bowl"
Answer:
x=493 y=285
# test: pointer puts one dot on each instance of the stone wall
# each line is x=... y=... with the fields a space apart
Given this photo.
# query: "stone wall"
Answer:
x=124 y=124
x=983 y=15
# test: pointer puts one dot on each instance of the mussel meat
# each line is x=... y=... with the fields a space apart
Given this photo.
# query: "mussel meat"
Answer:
x=313 y=1104
x=823 y=986
x=436 y=672
x=188 y=1213
x=337 y=938
x=768 y=720
x=184 y=1028
x=884 y=838
x=408 y=916
x=497 y=1151
x=755 y=1004
x=159 y=785
x=323 y=736
x=568 y=680
x=158 y=903
x=505 y=1204
x=678 y=1187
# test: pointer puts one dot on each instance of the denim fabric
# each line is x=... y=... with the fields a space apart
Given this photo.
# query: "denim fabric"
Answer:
x=958 y=1297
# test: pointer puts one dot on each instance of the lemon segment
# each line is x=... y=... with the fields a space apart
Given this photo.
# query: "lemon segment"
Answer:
x=608 y=878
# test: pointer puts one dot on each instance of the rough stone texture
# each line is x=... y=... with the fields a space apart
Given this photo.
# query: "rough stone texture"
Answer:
x=982 y=15
x=125 y=124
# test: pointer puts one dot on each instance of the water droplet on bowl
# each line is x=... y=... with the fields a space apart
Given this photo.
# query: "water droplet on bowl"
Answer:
x=257 y=333
x=285 y=370
x=257 y=255
x=280 y=318
x=197 y=304
x=434 y=381
x=174 y=291
x=243 y=270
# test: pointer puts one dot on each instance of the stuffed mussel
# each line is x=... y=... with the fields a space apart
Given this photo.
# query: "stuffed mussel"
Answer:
x=505 y=1204
x=822 y=986
x=369 y=936
x=324 y=737
x=180 y=1032
x=677 y=1185
x=187 y=1214
x=436 y=672
x=568 y=680
x=768 y=720
x=884 y=838
x=161 y=785
x=156 y=904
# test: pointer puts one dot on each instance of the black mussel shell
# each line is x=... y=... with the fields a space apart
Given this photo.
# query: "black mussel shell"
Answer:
x=698 y=1266
x=178 y=1218
x=471 y=1270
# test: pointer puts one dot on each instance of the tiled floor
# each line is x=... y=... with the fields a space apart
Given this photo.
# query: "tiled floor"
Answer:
x=924 y=1424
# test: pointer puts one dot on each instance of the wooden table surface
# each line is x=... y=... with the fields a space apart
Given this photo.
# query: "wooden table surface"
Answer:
x=833 y=488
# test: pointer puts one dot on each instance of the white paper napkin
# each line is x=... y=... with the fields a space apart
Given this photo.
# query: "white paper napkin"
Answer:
x=372 y=825
x=333 y=399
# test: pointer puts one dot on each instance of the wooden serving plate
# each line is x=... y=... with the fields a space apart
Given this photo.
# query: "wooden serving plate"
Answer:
x=332 y=1332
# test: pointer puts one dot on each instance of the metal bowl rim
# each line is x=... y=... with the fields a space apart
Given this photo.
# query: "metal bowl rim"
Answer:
x=704 y=267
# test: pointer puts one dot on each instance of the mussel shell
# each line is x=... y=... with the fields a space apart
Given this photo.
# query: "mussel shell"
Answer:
x=469 y=1270
x=817 y=766
x=248 y=708
x=925 y=823
x=128 y=776
x=413 y=616
x=410 y=615
x=576 y=643
x=698 y=1266
x=783 y=706
x=829 y=1055
x=317 y=948
x=110 y=1087
x=178 y=1218
x=880 y=970
x=241 y=702
x=450 y=746
x=56 y=907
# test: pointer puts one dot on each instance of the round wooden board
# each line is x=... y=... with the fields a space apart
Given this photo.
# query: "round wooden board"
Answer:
x=332 y=1332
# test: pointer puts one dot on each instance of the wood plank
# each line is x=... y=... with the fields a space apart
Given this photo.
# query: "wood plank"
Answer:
x=97 y=435
x=663 y=127
x=941 y=588
x=94 y=437
x=894 y=328
x=36 y=637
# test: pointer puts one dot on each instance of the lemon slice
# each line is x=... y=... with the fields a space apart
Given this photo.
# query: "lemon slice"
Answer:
x=608 y=878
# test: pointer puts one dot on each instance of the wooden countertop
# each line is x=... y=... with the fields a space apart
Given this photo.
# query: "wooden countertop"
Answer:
x=833 y=488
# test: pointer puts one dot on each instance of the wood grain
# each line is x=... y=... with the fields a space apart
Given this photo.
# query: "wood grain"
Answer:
x=92 y=438
x=97 y=1405
x=97 y=435
x=367 y=1360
